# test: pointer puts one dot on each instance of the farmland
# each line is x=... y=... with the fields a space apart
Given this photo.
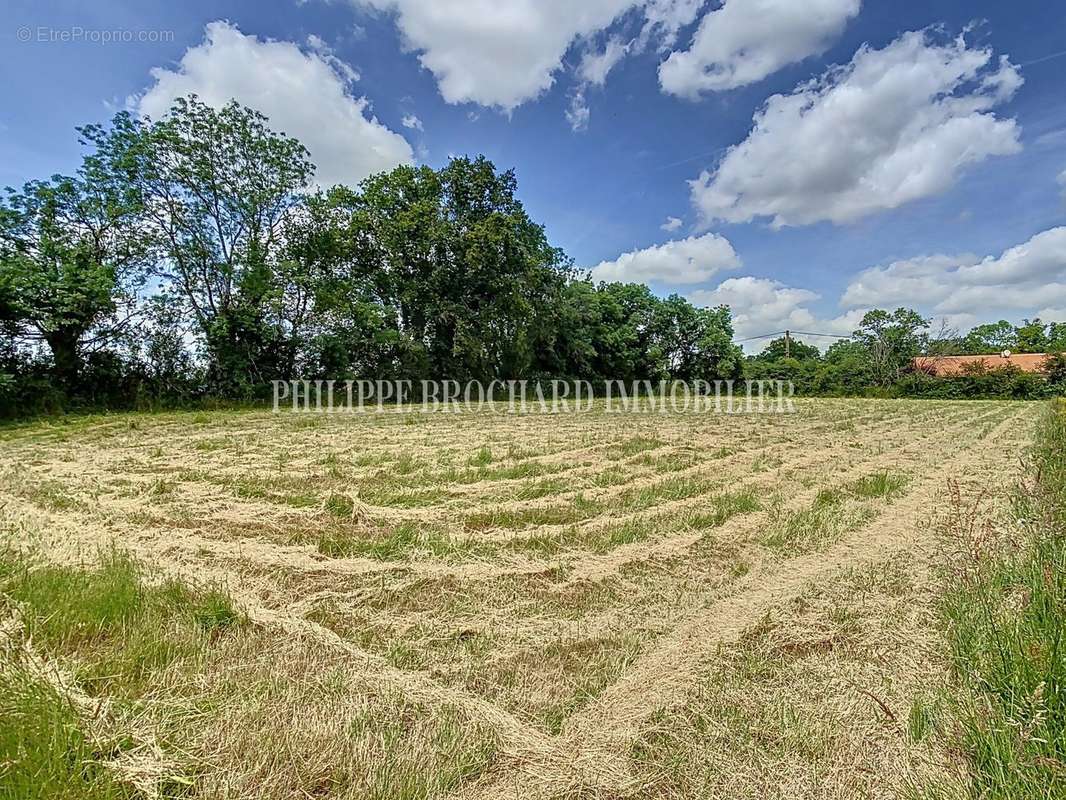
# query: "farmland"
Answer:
x=487 y=605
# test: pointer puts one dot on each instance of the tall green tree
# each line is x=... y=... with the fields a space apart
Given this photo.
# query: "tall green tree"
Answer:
x=1031 y=337
x=469 y=277
x=71 y=261
x=801 y=351
x=892 y=340
x=697 y=342
x=216 y=187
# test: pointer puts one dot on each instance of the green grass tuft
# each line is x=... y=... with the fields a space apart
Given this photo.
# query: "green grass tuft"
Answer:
x=879 y=484
x=44 y=752
x=119 y=628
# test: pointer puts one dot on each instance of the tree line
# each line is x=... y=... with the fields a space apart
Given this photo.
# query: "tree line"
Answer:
x=879 y=360
x=193 y=257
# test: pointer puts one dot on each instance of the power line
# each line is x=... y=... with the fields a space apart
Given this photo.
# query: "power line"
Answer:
x=801 y=333
x=762 y=336
x=831 y=335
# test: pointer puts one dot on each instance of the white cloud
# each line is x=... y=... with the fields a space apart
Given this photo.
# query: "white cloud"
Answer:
x=902 y=282
x=1061 y=180
x=496 y=52
x=1027 y=276
x=762 y=306
x=671 y=224
x=577 y=113
x=743 y=41
x=1052 y=314
x=682 y=261
x=595 y=66
x=305 y=94
x=666 y=18
x=592 y=71
x=411 y=121
x=892 y=126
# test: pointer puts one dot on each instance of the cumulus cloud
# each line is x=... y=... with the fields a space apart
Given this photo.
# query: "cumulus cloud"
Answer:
x=671 y=224
x=743 y=41
x=411 y=121
x=305 y=94
x=496 y=52
x=682 y=261
x=1054 y=314
x=902 y=282
x=892 y=126
x=762 y=306
x=502 y=53
x=1027 y=276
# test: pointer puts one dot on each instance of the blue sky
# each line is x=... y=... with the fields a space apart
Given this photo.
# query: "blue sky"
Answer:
x=927 y=168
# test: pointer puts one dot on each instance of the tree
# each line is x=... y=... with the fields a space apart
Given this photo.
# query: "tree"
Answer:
x=1031 y=337
x=1056 y=334
x=697 y=343
x=71 y=262
x=216 y=187
x=993 y=337
x=468 y=277
x=892 y=341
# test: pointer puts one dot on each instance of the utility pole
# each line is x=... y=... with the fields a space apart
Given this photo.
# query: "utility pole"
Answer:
x=788 y=342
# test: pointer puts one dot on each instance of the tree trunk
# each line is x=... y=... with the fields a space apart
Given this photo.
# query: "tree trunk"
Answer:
x=64 y=346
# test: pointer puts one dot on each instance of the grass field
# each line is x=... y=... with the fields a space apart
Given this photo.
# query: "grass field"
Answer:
x=250 y=605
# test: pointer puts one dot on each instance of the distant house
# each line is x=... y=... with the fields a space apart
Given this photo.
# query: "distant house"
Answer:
x=945 y=366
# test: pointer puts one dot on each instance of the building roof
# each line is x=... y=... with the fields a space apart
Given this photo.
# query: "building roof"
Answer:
x=956 y=365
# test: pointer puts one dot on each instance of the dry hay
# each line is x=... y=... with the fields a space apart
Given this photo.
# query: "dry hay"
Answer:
x=584 y=590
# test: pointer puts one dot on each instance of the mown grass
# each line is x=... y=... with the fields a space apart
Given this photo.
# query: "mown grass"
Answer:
x=549 y=684
x=724 y=507
x=1005 y=607
x=142 y=648
x=632 y=447
x=439 y=757
x=678 y=487
x=578 y=509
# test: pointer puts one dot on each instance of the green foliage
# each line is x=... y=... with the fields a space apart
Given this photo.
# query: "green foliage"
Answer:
x=978 y=380
x=878 y=361
x=219 y=186
x=121 y=628
x=993 y=337
x=1006 y=608
x=116 y=628
x=892 y=341
x=70 y=262
x=779 y=349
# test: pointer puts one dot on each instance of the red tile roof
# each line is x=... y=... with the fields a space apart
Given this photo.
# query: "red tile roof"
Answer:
x=954 y=365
